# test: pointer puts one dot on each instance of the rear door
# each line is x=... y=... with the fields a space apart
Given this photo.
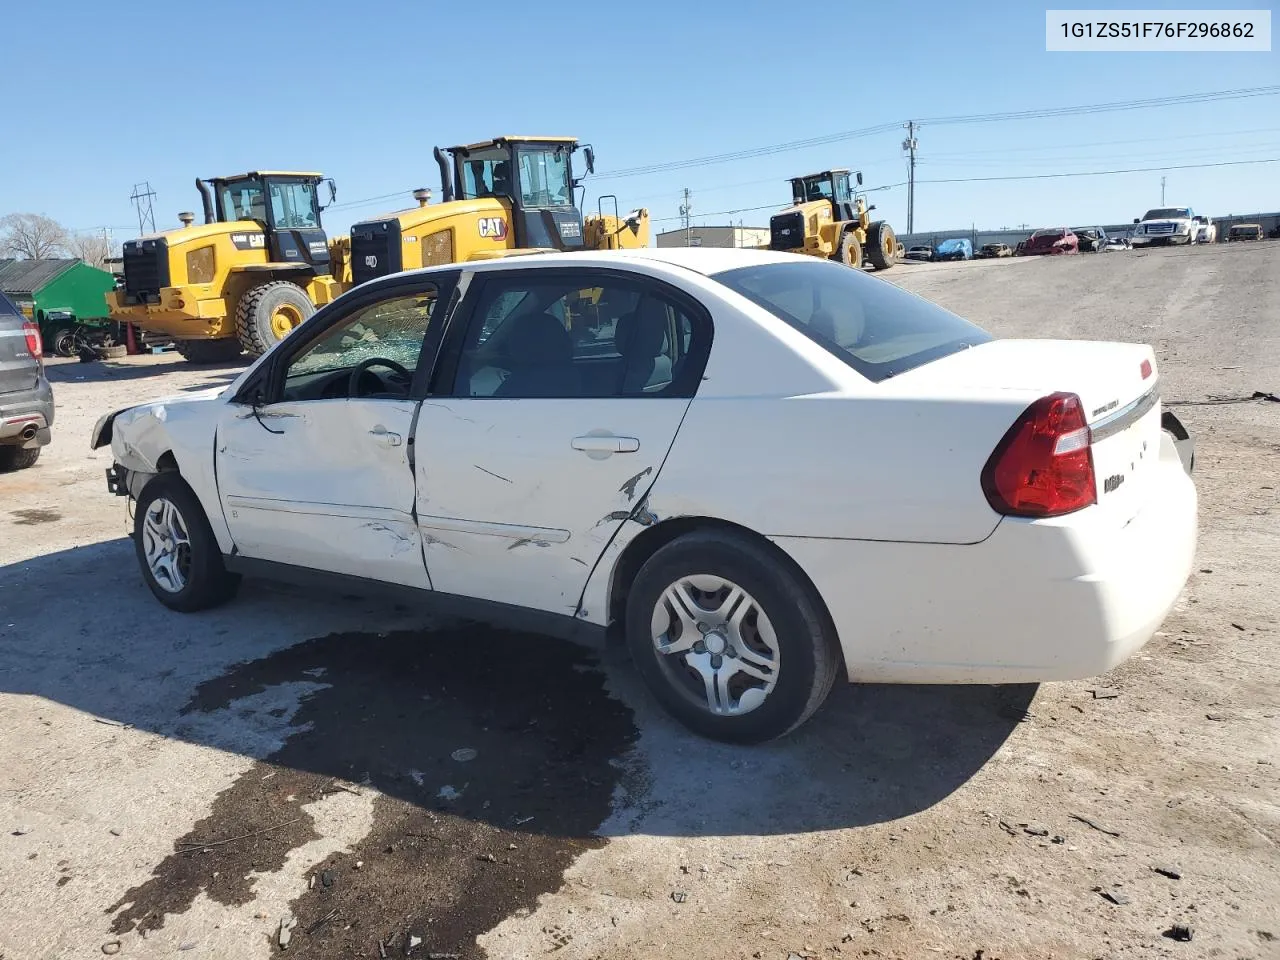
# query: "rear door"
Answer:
x=19 y=370
x=559 y=397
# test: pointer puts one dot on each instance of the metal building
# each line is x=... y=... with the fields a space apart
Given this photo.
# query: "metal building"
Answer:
x=727 y=236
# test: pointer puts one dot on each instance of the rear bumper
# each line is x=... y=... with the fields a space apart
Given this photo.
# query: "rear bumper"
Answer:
x=26 y=411
x=1037 y=601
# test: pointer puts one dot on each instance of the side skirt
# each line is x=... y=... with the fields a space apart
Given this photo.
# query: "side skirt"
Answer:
x=492 y=613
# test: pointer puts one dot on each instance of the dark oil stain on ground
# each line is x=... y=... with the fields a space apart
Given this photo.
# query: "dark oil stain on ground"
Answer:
x=398 y=705
x=29 y=518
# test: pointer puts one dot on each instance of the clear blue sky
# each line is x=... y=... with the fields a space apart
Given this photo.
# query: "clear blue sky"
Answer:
x=100 y=96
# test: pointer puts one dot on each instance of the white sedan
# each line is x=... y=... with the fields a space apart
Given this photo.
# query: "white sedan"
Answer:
x=761 y=469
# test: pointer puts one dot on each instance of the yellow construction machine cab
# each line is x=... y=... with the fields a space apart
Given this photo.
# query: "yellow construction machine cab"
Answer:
x=257 y=267
x=500 y=196
x=285 y=206
x=828 y=218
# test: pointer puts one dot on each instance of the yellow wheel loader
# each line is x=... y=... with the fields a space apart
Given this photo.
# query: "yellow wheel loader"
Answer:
x=500 y=197
x=826 y=219
x=257 y=267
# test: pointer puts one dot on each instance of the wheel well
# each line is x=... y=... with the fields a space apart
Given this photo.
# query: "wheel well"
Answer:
x=167 y=462
x=651 y=540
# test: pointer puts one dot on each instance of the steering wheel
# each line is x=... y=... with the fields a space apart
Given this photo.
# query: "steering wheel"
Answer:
x=353 y=381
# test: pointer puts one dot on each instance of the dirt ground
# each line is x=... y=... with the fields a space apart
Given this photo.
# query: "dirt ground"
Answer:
x=182 y=785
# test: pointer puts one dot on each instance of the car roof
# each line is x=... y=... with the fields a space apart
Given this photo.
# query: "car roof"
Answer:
x=704 y=260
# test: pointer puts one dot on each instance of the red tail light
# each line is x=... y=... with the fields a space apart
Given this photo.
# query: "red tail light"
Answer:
x=34 y=346
x=1043 y=467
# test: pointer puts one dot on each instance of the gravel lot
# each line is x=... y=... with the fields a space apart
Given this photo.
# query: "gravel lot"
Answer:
x=178 y=786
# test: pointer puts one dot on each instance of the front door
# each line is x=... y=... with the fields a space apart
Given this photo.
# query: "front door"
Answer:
x=563 y=395
x=320 y=476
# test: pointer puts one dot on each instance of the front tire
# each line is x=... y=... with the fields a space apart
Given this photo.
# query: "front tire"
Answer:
x=882 y=245
x=176 y=548
x=729 y=638
x=269 y=313
x=850 y=251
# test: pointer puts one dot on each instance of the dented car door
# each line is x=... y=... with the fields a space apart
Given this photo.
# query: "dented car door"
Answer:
x=562 y=393
x=319 y=473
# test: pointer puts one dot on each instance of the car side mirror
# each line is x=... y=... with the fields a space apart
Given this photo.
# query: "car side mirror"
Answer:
x=333 y=192
x=1137 y=220
x=590 y=156
x=870 y=208
x=858 y=176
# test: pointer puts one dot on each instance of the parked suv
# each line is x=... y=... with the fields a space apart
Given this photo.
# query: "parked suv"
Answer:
x=26 y=399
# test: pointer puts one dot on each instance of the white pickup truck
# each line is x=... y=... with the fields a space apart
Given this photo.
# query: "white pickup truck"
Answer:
x=1166 y=225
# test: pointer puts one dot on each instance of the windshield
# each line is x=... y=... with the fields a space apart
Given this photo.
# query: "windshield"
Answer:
x=486 y=173
x=1059 y=232
x=873 y=326
x=243 y=200
x=544 y=177
x=293 y=204
x=817 y=188
x=1168 y=213
x=950 y=246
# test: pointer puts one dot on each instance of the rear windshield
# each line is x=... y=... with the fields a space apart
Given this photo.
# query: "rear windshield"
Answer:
x=873 y=326
x=9 y=311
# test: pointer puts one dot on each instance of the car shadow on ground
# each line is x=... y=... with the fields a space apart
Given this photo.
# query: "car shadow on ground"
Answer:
x=376 y=699
x=497 y=757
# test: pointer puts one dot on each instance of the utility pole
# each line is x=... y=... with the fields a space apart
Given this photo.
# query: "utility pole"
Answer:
x=1162 y=193
x=909 y=145
x=686 y=210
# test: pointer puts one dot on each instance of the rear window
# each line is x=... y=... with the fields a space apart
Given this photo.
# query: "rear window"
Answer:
x=9 y=310
x=873 y=326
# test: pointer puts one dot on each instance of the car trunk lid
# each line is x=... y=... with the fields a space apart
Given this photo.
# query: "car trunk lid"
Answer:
x=1117 y=387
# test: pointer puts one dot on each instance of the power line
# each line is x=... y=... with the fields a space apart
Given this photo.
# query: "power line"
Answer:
x=1084 y=109
x=1102 y=173
x=1040 y=114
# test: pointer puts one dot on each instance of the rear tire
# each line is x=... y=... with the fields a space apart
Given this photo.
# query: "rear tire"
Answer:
x=850 y=251
x=176 y=549
x=64 y=342
x=269 y=313
x=208 y=351
x=18 y=458
x=882 y=245
x=768 y=658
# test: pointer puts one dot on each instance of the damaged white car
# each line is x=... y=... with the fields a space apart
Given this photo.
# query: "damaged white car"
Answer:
x=763 y=470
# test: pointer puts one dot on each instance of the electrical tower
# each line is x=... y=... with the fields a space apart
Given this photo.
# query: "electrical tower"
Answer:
x=686 y=211
x=142 y=196
x=910 y=145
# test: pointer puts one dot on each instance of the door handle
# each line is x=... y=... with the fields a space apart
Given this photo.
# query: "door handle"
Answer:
x=597 y=444
x=385 y=436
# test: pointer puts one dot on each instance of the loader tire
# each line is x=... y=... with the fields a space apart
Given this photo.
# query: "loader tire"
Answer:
x=269 y=313
x=208 y=351
x=882 y=245
x=849 y=252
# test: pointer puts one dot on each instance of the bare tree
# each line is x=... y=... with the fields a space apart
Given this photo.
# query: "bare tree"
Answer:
x=31 y=236
x=93 y=249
